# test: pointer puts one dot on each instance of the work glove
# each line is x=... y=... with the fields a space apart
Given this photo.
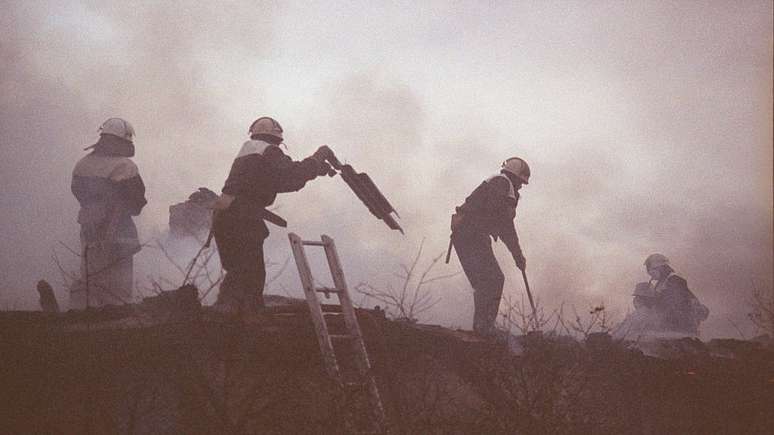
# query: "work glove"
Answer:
x=521 y=262
x=324 y=168
x=322 y=154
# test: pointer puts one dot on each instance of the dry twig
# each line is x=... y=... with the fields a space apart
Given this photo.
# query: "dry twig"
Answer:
x=413 y=298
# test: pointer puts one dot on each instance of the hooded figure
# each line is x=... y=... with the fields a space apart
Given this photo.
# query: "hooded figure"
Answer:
x=108 y=186
x=489 y=212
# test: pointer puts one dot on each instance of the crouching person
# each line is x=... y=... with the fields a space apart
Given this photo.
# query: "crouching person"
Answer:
x=108 y=186
x=678 y=308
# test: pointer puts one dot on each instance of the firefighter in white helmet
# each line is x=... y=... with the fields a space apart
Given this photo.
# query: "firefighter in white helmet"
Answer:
x=489 y=212
x=108 y=186
x=678 y=309
x=260 y=171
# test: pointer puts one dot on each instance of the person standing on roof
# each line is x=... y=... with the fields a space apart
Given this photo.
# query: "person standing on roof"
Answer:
x=489 y=212
x=108 y=186
x=260 y=171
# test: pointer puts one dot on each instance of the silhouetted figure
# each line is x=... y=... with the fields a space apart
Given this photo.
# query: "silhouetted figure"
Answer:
x=665 y=304
x=489 y=212
x=109 y=188
x=260 y=171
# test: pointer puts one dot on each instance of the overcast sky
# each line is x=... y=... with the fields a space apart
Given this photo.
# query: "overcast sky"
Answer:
x=647 y=125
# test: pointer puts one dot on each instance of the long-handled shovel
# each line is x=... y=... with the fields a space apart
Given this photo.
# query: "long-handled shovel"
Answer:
x=448 y=251
x=531 y=301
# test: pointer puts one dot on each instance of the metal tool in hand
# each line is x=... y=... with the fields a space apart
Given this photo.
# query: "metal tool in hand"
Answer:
x=456 y=220
x=448 y=251
x=366 y=191
x=531 y=301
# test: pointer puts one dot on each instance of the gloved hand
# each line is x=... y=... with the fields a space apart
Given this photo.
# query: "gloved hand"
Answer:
x=324 y=168
x=322 y=153
x=521 y=262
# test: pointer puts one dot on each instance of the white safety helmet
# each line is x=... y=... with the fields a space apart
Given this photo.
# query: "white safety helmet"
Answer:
x=518 y=167
x=656 y=260
x=266 y=125
x=118 y=127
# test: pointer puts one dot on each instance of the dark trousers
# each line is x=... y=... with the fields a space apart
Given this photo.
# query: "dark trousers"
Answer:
x=241 y=254
x=478 y=261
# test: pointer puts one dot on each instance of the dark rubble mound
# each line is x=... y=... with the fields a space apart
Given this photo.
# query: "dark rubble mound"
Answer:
x=171 y=366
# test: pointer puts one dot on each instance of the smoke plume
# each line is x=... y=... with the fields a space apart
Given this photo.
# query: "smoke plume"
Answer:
x=647 y=127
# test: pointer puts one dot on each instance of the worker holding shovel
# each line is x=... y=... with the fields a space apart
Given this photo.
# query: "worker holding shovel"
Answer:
x=489 y=212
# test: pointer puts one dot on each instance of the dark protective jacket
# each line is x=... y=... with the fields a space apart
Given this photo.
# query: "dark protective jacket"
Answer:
x=681 y=310
x=490 y=211
x=108 y=186
x=259 y=172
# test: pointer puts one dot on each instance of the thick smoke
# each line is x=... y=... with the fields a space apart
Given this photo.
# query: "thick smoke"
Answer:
x=66 y=68
x=647 y=126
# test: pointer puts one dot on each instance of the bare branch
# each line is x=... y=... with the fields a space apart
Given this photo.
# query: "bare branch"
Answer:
x=738 y=330
x=762 y=305
x=171 y=260
x=72 y=251
x=413 y=296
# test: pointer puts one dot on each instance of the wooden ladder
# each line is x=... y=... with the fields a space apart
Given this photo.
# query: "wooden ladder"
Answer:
x=325 y=339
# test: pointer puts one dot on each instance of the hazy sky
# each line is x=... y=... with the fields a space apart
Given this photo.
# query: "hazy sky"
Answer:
x=648 y=127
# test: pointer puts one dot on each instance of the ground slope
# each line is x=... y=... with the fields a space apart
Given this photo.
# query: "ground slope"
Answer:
x=172 y=367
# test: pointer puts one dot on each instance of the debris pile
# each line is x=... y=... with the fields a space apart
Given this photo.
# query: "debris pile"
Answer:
x=169 y=365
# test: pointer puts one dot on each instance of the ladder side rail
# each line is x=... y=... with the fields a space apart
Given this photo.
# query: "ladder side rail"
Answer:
x=337 y=273
x=321 y=328
x=350 y=318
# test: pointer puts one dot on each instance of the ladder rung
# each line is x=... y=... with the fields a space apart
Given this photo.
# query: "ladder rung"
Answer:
x=331 y=308
x=321 y=313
